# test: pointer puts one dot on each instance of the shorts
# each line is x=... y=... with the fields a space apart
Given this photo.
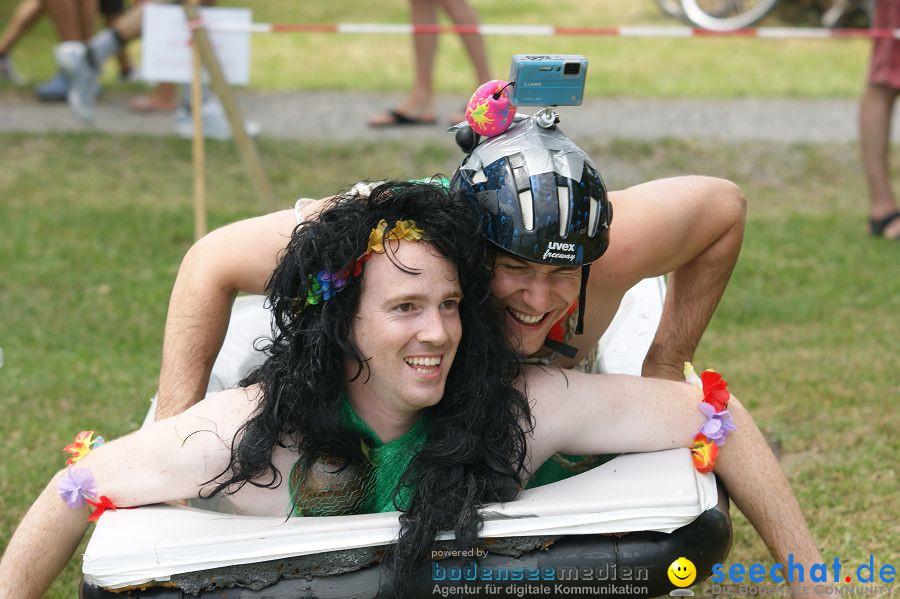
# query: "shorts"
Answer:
x=112 y=8
x=884 y=67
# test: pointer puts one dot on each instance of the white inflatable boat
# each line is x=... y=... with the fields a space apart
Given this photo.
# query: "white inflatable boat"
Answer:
x=622 y=523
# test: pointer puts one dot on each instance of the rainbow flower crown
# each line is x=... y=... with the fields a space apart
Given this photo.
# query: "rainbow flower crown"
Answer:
x=325 y=284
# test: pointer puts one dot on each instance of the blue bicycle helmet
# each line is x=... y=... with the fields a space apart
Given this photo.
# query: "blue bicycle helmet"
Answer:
x=540 y=198
x=539 y=195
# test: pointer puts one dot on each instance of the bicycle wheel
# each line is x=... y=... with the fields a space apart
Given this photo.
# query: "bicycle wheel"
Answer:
x=725 y=15
x=671 y=8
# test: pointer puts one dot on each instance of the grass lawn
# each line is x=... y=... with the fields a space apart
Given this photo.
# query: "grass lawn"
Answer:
x=618 y=66
x=806 y=334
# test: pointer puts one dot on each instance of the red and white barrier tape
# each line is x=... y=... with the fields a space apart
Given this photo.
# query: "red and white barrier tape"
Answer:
x=551 y=30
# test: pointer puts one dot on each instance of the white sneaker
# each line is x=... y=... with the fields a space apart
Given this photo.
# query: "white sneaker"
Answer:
x=83 y=79
x=9 y=73
x=215 y=123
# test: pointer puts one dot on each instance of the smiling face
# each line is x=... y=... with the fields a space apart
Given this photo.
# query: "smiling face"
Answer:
x=682 y=572
x=534 y=297
x=408 y=327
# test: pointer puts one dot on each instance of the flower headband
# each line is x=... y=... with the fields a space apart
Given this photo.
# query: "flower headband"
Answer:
x=324 y=284
x=719 y=423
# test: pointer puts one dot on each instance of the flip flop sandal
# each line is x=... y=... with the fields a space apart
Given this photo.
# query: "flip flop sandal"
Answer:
x=151 y=104
x=398 y=119
x=877 y=226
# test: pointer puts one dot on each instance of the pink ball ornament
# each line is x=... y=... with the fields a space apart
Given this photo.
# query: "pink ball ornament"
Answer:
x=489 y=111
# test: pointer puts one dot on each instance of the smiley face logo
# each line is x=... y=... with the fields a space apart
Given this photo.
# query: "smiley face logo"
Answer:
x=682 y=572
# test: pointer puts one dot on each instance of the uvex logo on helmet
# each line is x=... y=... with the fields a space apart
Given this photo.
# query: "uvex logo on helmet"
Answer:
x=560 y=251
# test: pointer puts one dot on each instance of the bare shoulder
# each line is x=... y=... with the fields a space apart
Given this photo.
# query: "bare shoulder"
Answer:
x=222 y=413
x=205 y=433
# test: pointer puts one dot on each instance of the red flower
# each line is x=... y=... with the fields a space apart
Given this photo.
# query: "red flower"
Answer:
x=704 y=453
x=103 y=504
x=715 y=390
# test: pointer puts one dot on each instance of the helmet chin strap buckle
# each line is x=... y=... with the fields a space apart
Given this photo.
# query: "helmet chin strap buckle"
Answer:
x=546 y=118
x=561 y=348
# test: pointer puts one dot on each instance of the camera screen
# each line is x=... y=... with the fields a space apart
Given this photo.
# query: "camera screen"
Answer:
x=571 y=68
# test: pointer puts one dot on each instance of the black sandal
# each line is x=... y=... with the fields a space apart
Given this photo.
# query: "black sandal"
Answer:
x=395 y=118
x=878 y=225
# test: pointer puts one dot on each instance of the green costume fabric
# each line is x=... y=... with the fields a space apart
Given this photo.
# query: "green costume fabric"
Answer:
x=561 y=466
x=327 y=489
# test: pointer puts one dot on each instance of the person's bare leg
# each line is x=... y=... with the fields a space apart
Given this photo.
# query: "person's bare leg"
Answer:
x=759 y=488
x=124 y=60
x=87 y=17
x=462 y=13
x=22 y=19
x=128 y=26
x=66 y=19
x=419 y=104
x=875 y=112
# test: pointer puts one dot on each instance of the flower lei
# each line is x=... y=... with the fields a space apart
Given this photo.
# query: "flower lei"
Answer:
x=719 y=422
x=78 y=486
x=324 y=284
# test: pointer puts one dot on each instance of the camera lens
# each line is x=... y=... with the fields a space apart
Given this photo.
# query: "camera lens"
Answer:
x=571 y=68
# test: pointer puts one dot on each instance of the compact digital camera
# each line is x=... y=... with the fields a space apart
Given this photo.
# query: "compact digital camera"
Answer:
x=547 y=80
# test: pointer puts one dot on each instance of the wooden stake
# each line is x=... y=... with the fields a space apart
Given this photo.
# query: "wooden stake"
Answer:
x=199 y=150
x=245 y=145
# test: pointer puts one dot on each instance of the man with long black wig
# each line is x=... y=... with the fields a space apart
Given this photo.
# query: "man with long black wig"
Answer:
x=390 y=385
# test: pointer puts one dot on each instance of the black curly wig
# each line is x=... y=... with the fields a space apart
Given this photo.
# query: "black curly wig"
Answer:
x=474 y=449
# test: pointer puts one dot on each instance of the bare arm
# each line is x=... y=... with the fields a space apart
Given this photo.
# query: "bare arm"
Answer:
x=597 y=414
x=42 y=545
x=589 y=414
x=692 y=229
x=237 y=257
x=162 y=462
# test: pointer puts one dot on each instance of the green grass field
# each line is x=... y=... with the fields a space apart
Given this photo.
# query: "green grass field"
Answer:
x=618 y=66
x=94 y=228
x=806 y=333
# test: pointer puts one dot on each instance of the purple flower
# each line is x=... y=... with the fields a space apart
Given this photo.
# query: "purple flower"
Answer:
x=717 y=425
x=77 y=484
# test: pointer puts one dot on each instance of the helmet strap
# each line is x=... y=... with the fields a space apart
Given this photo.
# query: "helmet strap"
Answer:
x=582 y=298
x=559 y=347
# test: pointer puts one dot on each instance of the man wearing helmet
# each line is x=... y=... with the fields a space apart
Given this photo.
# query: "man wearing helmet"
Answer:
x=545 y=207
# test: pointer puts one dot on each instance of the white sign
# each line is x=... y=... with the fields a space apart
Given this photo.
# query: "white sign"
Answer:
x=166 y=48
